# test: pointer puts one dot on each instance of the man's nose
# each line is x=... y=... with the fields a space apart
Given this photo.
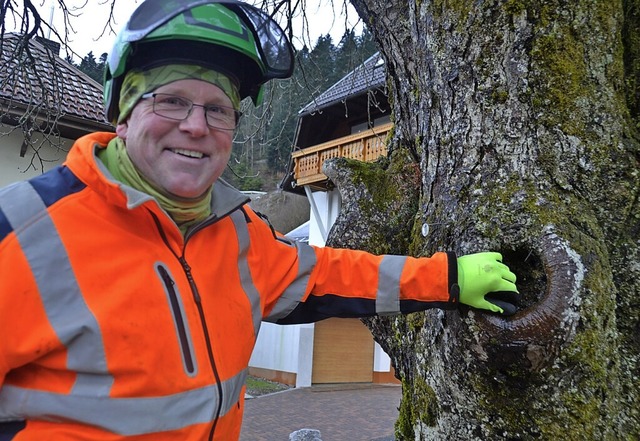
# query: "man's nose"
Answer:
x=196 y=121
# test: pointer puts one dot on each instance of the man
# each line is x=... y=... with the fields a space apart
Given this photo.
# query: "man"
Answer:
x=133 y=280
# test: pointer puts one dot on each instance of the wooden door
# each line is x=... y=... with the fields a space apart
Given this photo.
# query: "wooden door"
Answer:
x=342 y=352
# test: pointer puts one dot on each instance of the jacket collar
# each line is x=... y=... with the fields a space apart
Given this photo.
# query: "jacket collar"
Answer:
x=83 y=161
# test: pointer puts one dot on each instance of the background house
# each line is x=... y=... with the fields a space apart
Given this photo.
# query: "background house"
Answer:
x=350 y=119
x=42 y=109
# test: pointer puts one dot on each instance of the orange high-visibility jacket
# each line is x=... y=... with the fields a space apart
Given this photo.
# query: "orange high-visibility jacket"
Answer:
x=115 y=326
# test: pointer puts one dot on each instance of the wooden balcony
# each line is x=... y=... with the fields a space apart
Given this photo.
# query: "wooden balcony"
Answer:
x=367 y=146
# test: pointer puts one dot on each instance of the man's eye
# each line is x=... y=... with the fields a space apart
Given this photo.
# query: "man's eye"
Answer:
x=220 y=110
x=174 y=101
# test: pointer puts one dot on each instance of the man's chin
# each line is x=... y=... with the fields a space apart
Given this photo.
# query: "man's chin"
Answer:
x=187 y=193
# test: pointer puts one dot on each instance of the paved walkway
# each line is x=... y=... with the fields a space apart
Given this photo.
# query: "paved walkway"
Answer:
x=349 y=412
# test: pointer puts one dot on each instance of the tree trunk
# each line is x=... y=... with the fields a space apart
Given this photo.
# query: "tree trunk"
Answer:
x=522 y=117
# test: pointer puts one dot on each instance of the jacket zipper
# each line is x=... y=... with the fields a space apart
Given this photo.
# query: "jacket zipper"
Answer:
x=178 y=317
x=198 y=301
x=205 y=329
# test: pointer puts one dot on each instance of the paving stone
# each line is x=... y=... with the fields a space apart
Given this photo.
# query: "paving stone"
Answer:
x=340 y=413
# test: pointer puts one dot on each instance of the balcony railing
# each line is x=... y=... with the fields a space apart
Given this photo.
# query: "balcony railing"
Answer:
x=367 y=146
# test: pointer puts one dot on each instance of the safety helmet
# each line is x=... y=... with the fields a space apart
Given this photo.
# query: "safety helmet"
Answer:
x=229 y=36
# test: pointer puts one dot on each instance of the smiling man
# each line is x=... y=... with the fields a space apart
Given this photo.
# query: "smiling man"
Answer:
x=181 y=147
x=133 y=280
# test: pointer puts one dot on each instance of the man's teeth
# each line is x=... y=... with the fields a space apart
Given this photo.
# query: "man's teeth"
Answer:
x=189 y=153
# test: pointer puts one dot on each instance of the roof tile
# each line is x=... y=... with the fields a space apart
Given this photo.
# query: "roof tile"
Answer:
x=68 y=89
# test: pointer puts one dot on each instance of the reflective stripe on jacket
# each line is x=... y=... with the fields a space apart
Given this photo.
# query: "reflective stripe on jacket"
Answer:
x=115 y=326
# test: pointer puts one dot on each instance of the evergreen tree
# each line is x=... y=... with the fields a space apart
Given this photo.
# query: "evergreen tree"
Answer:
x=93 y=68
x=366 y=44
x=348 y=55
x=321 y=65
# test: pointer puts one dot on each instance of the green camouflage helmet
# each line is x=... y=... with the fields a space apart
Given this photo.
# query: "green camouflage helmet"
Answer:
x=234 y=38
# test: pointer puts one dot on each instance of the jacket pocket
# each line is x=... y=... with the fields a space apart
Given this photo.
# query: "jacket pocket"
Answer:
x=179 y=320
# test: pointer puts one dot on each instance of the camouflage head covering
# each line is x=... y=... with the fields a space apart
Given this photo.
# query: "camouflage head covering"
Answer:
x=138 y=82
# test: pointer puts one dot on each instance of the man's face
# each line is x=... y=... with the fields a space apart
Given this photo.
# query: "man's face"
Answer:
x=181 y=158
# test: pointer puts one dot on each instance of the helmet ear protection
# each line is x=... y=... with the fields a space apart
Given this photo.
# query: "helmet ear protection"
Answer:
x=234 y=38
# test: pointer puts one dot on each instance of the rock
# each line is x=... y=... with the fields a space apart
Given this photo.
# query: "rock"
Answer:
x=305 y=435
x=285 y=211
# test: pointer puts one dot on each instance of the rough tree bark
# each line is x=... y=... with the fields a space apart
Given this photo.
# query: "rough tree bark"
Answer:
x=516 y=131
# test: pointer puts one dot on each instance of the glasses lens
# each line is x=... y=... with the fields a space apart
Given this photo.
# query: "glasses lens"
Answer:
x=171 y=106
x=222 y=117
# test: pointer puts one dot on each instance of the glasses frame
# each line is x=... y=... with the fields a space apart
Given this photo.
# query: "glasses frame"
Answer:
x=153 y=95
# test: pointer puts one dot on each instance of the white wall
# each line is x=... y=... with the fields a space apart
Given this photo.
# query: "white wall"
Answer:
x=381 y=361
x=285 y=349
x=290 y=348
x=271 y=337
x=15 y=168
x=327 y=204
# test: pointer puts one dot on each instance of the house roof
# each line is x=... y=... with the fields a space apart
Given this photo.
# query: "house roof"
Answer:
x=330 y=115
x=74 y=94
x=368 y=75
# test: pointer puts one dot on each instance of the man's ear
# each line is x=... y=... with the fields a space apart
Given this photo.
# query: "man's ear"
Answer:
x=122 y=129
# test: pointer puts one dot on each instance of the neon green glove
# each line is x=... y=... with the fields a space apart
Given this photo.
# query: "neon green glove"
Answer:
x=486 y=283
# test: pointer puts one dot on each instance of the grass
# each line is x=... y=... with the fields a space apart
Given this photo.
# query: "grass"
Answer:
x=259 y=386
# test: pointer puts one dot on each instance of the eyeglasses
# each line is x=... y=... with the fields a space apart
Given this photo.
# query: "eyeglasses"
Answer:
x=179 y=108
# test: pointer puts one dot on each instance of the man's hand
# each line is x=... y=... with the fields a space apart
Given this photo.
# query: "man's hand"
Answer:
x=486 y=283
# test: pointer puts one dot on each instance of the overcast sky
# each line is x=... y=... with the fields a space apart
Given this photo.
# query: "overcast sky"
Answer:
x=92 y=17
